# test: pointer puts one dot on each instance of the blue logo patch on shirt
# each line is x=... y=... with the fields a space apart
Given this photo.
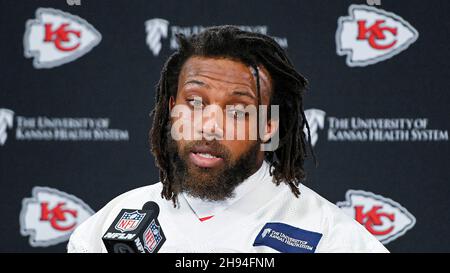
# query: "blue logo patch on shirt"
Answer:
x=287 y=239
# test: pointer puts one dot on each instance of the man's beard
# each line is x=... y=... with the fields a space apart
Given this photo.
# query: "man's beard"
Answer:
x=210 y=184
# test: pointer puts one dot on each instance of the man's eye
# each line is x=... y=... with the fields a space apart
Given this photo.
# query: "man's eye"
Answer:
x=237 y=114
x=195 y=102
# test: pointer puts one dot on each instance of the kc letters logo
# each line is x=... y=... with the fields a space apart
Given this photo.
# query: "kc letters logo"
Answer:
x=50 y=216
x=370 y=35
x=384 y=218
x=56 y=37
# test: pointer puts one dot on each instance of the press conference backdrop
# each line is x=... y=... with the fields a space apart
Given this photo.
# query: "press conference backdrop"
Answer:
x=77 y=86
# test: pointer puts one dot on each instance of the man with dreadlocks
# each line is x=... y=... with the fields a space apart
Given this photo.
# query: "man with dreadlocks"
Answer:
x=222 y=194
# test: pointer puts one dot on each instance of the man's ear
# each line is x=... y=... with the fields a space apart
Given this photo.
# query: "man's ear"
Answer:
x=171 y=103
x=272 y=126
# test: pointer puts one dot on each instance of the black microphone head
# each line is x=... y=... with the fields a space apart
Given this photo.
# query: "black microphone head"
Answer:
x=151 y=206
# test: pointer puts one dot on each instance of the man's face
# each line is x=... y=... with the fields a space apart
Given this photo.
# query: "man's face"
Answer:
x=210 y=167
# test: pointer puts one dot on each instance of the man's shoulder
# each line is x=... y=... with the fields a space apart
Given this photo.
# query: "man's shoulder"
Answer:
x=340 y=232
x=86 y=236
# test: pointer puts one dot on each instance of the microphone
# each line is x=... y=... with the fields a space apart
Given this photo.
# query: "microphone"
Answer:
x=151 y=206
x=135 y=231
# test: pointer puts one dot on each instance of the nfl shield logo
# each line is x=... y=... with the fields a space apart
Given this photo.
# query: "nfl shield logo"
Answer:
x=129 y=221
x=152 y=237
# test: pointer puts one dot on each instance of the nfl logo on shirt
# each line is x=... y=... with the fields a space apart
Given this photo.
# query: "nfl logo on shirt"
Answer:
x=129 y=221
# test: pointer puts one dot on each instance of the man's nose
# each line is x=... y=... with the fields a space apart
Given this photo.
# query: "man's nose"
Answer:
x=211 y=126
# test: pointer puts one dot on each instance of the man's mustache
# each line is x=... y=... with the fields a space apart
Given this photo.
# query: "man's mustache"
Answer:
x=210 y=147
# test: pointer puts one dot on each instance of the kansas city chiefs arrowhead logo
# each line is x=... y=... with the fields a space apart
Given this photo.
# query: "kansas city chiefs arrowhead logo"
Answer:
x=381 y=216
x=56 y=37
x=50 y=216
x=370 y=35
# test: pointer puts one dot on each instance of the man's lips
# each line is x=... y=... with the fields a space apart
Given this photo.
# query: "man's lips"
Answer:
x=201 y=161
x=205 y=157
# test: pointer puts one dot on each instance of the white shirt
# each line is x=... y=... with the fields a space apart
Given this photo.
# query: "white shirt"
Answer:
x=260 y=217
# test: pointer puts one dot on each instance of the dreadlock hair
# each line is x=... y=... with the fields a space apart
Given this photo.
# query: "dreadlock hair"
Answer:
x=288 y=86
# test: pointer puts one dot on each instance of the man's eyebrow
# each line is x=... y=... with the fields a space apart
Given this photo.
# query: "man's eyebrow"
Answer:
x=234 y=93
x=243 y=93
x=196 y=82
